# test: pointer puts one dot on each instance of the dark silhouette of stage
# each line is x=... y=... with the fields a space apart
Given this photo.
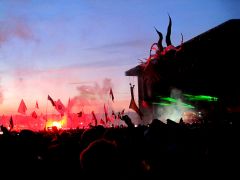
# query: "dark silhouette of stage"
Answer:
x=206 y=65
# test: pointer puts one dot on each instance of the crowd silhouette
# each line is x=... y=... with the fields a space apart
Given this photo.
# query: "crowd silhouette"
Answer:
x=154 y=151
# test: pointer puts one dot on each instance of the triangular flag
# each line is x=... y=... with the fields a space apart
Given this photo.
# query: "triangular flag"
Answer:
x=36 y=106
x=133 y=103
x=119 y=115
x=80 y=114
x=111 y=94
x=11 y=123
x=102 y=122
x=51 y=100
x=22 y=107
x=68 y=106
x=122 y=113
x=114 y=115
x=94 y=118
x=34 y=115
x=135 y=108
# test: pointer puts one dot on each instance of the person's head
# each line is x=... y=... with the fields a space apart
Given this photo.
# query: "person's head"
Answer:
x=100 y=157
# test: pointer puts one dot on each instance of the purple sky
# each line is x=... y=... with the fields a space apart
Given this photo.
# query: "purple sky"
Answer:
x=59 y=47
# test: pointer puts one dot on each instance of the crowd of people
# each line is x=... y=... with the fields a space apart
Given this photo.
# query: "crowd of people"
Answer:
x=153 y=151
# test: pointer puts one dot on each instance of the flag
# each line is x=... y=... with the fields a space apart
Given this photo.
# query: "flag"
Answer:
x=106 y=114
x=80 y=114
x=34 y=115
x=36 y=106
x=69 y=102
x=94 y=118
x=119 y=115
x=122 y=113
x=111 y=94
x=68 y=106
x=60 y=107
x=114 y=115
x=133 y=103
x=68 y=110
x=135 y=108
x=102 y=122
x=22 y=107
x=51 y=100
x=11 y=123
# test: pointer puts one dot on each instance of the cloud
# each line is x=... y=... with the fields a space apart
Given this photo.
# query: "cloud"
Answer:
x=115 y=45
x=15 y=28
x=85 y=67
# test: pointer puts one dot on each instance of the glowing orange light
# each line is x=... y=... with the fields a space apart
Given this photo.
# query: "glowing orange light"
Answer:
x=57 y=124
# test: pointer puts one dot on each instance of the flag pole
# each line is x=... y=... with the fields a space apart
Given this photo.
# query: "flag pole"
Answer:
x=107 y=108
x=46 y=116
x=68 y=112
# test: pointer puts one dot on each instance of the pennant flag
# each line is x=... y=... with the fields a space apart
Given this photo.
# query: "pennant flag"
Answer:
x=11 y=123
x=111 y=94
x=114 y=115
x=135 y=108
x=122 y=113
x=94 y=118
x=133 y=103
x=119 y=115
x=60 y=107
x=80 y=114
x=36 y=106
x=102 y=122
x=68 y=110
x=69 y=102
x=34 y=115
x=51 y=100
x=68 y=106
x=22 y=107
x=106 y=113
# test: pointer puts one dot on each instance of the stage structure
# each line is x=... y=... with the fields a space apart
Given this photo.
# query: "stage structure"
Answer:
x=199 y=74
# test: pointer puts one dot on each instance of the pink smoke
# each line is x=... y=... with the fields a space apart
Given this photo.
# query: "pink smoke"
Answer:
x=1 y=96
x=92 y=97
